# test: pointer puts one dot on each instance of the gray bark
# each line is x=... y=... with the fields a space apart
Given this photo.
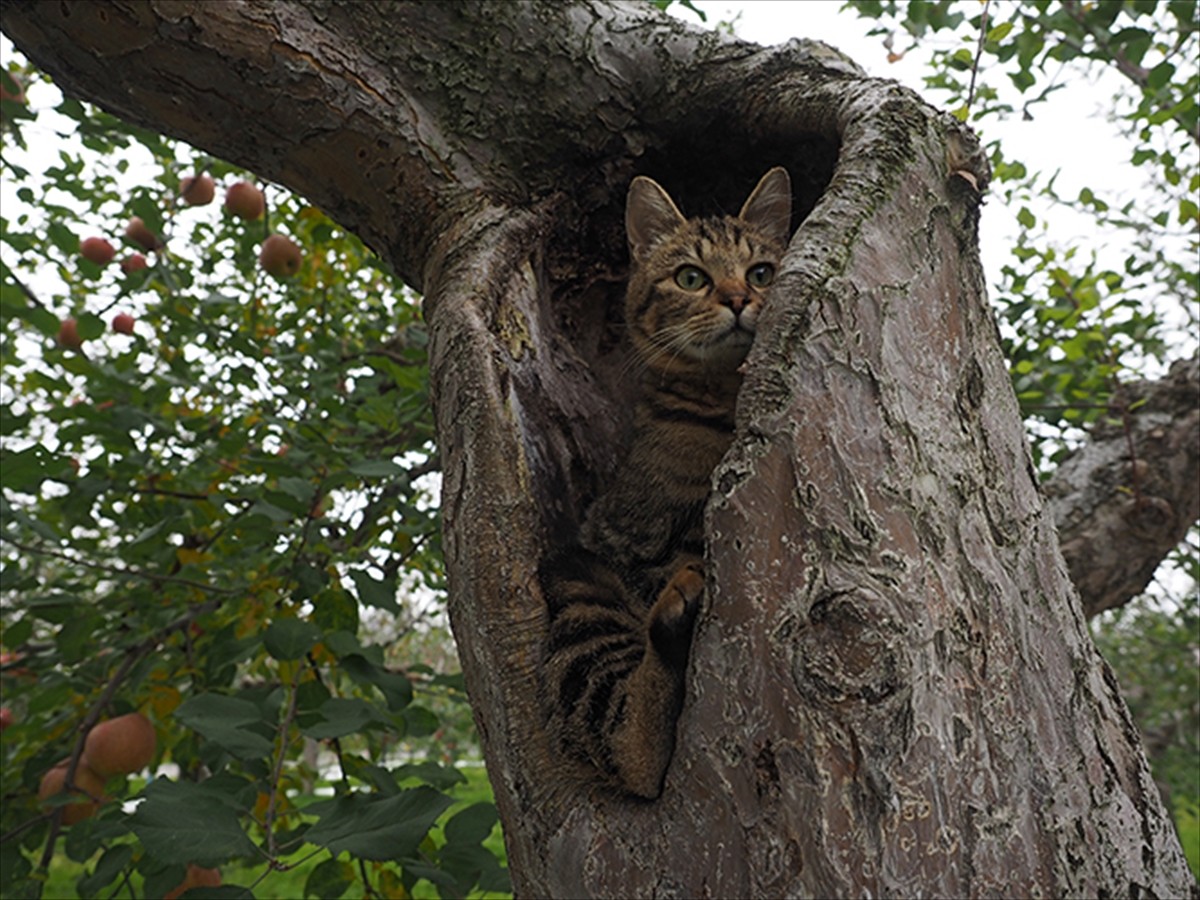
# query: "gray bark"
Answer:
x=1128 y=496
x=892 y=689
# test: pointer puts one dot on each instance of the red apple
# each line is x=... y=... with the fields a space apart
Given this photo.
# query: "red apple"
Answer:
x=122 y=323
x=6 y=717
x=9 y=667
x=98 y=250
x=280 y=256
x=68 y=335
x=85 y=804
x=245 y=201
x=134 y=262
x=196 y=877
x=6 y=94
x=138 y=232
x=120 y=746
x=197 y=190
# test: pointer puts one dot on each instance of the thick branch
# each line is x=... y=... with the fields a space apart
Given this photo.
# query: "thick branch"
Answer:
x=346 y=105
x=1129 y=496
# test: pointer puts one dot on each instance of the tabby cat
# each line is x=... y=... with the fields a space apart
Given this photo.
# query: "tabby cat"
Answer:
x=622 y=602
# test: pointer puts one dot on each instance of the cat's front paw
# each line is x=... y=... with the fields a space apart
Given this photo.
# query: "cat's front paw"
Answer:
x=674 y=614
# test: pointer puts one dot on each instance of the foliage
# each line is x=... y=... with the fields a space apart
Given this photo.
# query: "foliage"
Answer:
x=1078 y=320
x=1154 y=649
x=226 y=520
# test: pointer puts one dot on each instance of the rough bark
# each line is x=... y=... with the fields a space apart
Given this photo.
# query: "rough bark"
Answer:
x=1128 y=496
x=893 y=691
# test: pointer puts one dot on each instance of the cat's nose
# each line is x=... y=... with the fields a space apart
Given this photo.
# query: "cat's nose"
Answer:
x=732 y=295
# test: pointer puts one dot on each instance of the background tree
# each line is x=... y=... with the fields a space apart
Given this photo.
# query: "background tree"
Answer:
x=502 y=327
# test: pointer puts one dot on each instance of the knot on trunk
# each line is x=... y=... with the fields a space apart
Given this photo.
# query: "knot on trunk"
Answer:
x=1150 y=517
x=850 y=651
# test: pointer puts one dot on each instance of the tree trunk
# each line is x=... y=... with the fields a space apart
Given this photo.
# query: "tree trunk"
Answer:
x=892 y=690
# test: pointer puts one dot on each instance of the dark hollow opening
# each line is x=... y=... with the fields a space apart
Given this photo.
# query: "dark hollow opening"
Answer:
x=584 y=359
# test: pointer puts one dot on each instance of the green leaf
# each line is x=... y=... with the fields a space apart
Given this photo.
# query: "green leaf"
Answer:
x=26 y=469
x=300 y=488
x=396 y=688
x=290 y=638
x=999 y=33
x=329 y=880
x=432 y=773
x=107 y=868
x=378 y=468
x=225 y=721
x=1160 y=76
x=380 y=594
x=471 y=825
x=181 y=822
x=378 y=828
x=341 y=716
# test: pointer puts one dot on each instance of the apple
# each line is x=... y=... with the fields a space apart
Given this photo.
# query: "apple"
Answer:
x=196 y=877
x=68 y=335
x=9 y=667
x=122 y=323
x=134 y=262
x=86 y=780
x=6 y=94
x=6 y=717
x=245 y=201
x=280 y=256
x=97 y=250
x=120 y=746
x=197 y=190
x=138 y=232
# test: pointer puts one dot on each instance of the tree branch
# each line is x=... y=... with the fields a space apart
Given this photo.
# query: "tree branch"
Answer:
x=1124 y=500
x=125 y=571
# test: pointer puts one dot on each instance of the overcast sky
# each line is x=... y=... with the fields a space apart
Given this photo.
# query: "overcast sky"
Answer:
x=1073 y=118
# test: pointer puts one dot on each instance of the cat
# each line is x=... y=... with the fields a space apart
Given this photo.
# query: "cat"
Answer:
x=622 y=602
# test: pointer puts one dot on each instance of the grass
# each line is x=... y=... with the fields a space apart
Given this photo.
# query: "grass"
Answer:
x=289 y=882
x=1187 y=821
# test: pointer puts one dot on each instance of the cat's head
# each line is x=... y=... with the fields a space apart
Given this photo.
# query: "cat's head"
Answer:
x=697 y=285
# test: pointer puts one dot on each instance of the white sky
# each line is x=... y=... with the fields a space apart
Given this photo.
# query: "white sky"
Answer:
x=1073 y=118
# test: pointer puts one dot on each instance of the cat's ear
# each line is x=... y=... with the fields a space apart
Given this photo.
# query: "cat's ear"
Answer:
x=769 y=206
x=650 y=216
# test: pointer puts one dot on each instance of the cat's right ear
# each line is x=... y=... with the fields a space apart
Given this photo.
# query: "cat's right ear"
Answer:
x=650 y=216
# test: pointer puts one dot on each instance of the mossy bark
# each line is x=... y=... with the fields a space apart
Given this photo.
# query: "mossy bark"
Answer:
x=892 y=691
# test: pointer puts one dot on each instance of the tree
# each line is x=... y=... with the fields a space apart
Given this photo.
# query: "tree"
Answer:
x=893 y=689
x=1077 y=328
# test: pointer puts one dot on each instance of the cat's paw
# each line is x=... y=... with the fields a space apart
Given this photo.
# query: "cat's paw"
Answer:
x=674 y=614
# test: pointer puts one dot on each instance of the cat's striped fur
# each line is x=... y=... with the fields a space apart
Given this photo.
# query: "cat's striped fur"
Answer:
x=623 y=601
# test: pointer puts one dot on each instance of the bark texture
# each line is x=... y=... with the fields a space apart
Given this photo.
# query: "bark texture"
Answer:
x=1129 y=495
x=892 y=690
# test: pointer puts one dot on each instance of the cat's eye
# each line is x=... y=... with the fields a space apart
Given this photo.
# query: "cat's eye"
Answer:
x=760 y=275
x=690 y=278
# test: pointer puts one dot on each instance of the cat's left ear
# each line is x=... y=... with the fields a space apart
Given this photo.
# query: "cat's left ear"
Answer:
x=769 y=206
x=650 y=216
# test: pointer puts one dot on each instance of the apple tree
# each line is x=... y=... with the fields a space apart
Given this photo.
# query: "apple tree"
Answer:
x=893 y=688
x=218 y=514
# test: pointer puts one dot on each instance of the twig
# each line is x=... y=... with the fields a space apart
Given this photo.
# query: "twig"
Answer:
x=125 y=571
x=983 y=22
x=26 y=290
x=277 y=771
